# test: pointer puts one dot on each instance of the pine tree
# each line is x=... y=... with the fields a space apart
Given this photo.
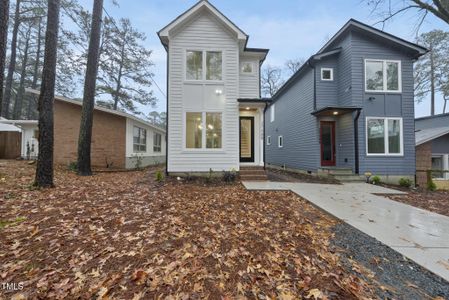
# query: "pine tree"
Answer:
x=85 y=136
x=4 y=16
x=44 y=168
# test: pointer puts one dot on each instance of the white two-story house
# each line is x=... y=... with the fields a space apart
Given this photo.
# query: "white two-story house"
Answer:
x=215 y=112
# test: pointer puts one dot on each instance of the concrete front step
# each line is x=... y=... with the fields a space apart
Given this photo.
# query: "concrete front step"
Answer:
x=252 y=172
x=334 y=171
x=253 y=177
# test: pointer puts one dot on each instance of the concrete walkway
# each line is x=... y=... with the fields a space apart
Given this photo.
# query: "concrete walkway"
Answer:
x=420 y=235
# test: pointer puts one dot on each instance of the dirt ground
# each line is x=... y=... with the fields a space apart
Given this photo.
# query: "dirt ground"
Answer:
x=434 y=201
x=125 y=236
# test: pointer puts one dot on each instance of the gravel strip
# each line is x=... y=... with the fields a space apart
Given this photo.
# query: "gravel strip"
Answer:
x=393 y=275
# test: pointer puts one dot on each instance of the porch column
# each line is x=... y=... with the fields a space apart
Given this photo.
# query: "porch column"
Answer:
x=446 y=166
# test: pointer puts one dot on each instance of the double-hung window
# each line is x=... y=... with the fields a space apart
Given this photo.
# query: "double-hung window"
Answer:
x=384 y=136
x=383 y=75
x=197 y=61
x=203 y=130
x=139 y=139
x=157 y=142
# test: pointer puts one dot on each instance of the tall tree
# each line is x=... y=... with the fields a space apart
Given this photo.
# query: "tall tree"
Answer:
x=44 y=168
x=271 y=80
x=125 y=67
x=293 y=65
x=388 y=9
x=85 y=136
x=4 y=17
x=17 y=111
x=36 y=71
x=12 y=62
x=431 y=71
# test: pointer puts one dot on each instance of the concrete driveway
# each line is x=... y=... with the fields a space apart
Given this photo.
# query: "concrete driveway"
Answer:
x=420 y=235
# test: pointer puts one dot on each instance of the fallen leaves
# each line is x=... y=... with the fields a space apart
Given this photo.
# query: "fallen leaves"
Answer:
x=91 y=237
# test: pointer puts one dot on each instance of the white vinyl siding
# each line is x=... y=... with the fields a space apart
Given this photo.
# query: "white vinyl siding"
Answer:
x=206 y=34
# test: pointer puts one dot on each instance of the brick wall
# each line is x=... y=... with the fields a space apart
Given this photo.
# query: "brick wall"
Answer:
x=423 y=162
x=108 y=136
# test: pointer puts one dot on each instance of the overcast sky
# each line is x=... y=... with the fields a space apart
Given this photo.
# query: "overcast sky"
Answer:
x=289 y=28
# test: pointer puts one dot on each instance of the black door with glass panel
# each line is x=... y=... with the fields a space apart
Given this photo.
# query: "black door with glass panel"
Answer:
x=246 y=139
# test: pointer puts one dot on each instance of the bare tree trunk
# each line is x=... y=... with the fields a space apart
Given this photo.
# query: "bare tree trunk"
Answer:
x=432 y=84
x=12 y=62
x=17 y=111
x=445 y=104
x=4 y=16
x=32 y=98
x=85 y=137
x=44 y=168
x=119 y=77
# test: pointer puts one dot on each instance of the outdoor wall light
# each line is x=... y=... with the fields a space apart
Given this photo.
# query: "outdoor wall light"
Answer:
x=218 y=92
x=371 y=98
x=335 y=113
x=247 y=108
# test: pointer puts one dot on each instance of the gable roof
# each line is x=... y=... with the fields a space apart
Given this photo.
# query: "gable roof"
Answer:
x=425 y=135
x=202 y=5
x=103 y=109
x=184 y=17
x=433 y=117
x=354 y=24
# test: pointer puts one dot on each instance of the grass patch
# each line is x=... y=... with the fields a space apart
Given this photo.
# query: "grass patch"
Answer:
x=6 y=223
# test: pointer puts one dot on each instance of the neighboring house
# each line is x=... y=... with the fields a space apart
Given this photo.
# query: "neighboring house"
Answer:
x=215 y=114
x=119 y=140
x=432 y=149
x=18 y=138
x=349 y=108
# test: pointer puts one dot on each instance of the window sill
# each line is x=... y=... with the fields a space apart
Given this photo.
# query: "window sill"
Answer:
x=382 y=92
x=205 y=151
x=384 y=155
x=206 y=82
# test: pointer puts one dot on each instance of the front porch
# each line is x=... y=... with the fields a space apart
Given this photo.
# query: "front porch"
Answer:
x=251 y=132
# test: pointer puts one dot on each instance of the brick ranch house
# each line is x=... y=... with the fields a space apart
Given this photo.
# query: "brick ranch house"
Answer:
x=119 y=140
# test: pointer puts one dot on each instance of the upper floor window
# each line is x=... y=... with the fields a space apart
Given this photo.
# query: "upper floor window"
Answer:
x=139 y=139
x=327 y=74
x=382 y=75
x=247 y=68
x=157 y=142
x=272 y=113
x=197 y=61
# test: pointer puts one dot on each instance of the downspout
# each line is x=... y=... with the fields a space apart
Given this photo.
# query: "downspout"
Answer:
x=264 y=137
x=356 y=141
x=167 y=117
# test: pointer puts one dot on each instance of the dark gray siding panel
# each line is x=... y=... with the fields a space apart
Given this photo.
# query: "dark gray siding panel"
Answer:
x=298 y=127
x=326 y=91
x=345 y=141
x=392 y=105
x=441 y=145
x=344 y=78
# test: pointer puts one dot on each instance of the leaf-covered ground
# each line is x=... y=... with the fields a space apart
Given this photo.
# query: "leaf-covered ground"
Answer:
x=434 y=201
x=124 y=236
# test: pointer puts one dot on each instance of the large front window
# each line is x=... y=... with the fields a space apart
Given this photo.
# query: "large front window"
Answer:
x=384 y=136
x=203 y=130
x=197 y=61
x=382 y=76
x=139 y=139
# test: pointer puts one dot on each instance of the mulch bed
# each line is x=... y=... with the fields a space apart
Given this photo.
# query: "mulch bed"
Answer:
x=125 y=236
x=437 y=202
x=288 y=176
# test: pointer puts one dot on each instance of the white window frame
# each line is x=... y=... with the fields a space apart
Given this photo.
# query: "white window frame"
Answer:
x=269 y=140
x=272 y=113
x=331 y=71
x=249 y=63
x=386 y=144
x=384 y=73
x=203 y=133
x=204 y=65
x=141 y=144
x=154 y=142
x=280 y=141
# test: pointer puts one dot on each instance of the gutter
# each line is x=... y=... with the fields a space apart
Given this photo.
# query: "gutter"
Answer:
x=356 y=141
x=264 y=137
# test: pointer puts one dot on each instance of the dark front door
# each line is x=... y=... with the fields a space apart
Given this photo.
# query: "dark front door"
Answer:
x=327 y=140
x=246 y=139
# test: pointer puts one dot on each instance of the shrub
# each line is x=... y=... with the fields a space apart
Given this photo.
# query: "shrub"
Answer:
x=229 y=176
x=209 y=177
x=375 y=180
x=159 y=176
x=137 y=161
x=73 y=166
x=431 y=186
x=405 y=182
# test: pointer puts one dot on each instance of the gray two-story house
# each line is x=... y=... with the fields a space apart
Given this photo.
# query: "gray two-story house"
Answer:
x=349 y=109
